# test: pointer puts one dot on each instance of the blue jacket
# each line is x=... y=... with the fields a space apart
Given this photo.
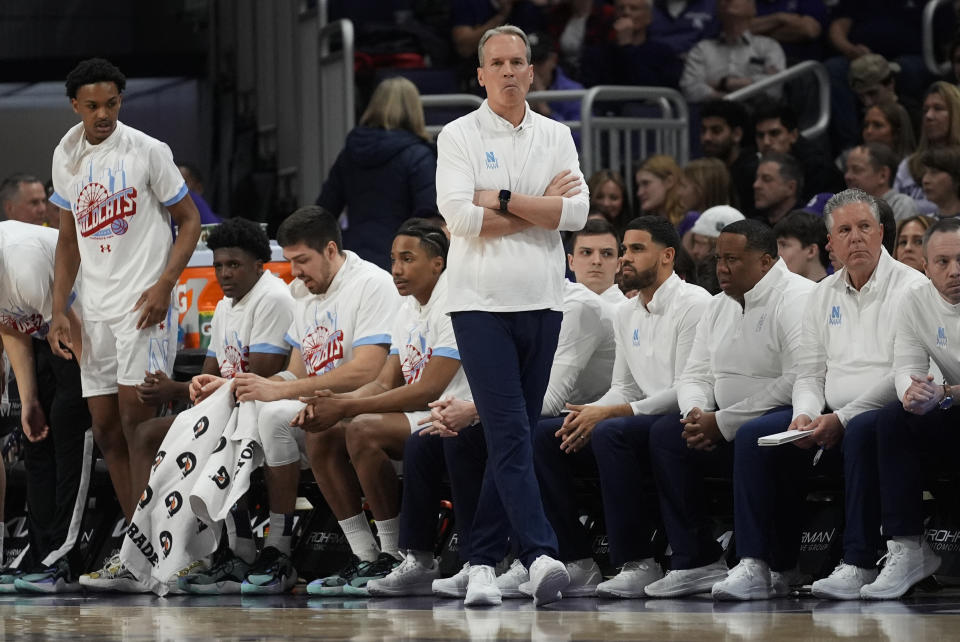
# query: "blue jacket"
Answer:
x=382 y=177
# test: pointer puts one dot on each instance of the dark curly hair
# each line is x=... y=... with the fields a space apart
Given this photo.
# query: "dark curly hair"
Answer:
x=241 y=233
x=432 y=239
x=94 y=70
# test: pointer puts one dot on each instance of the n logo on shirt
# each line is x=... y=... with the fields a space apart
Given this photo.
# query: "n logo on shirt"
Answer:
x=491 y=161
x=941 y=338
x=835 y=316
x=636 y=337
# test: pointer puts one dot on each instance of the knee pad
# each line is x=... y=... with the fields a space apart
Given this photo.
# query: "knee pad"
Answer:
x=282 y=443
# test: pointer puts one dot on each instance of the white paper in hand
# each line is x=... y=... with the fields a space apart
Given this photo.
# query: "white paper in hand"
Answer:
x=785 y=437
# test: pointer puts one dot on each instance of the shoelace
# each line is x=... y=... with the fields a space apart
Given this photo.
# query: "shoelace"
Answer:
x=845 y=571
x=744 y=570
x=635 y=566
x=408 y=565
x=893 y=557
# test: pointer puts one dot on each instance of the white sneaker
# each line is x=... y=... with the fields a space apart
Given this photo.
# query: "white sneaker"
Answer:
x=510 y=580
x=631 y=580
x=905 y=566
x=482 y=587
x=844 y=583
x=584 y=575
x=784 y=582
x=410 y=578
x=454 y=586
x=548 y=577
x=748 y=580
x=689 y=581
x=114 y=576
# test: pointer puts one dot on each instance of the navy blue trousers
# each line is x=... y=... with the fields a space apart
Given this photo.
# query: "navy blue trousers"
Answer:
x=908 y=447
x=425 y=459
x=679 y=472
x=507 y=359
x=769 y=484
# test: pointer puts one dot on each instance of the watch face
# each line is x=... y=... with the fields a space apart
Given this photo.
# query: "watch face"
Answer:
x=946 y=403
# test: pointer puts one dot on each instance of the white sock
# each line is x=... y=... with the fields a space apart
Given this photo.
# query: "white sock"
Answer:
x=281 y=532
x=911 y=542
x=240 y=536
x=388 y=530
x=360 y=537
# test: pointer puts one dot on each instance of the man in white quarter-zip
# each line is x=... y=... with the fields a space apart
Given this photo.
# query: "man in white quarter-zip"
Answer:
x=508 y=180
x=844 y=374
x=919 y=430
x=741 y=366
x=654 y=333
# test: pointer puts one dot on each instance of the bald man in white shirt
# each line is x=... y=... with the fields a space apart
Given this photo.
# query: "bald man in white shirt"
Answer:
x=742 y=364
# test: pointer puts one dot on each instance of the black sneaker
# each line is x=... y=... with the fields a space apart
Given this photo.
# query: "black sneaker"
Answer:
x=272 y=573
x=375 y=570
x=333 y=584
x=225 y=576
x=56 y=579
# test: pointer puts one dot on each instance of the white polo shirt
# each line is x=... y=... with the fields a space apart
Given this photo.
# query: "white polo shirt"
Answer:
x=257 y=323
x=118 y=192
x=422 y=332
x=743 y=359
x=928 y=327
x=482 y=151
x=358 y=309
x=653 y=342
x=846 y=356
x=26 y=277
x=583 y=362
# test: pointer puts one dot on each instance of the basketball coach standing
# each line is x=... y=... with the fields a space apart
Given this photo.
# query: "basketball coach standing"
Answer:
x=508 y=180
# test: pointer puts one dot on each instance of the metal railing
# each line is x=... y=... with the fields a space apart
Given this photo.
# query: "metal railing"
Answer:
x=326 y=99
x=808 y=67
x=929 y=45
x=607 y=142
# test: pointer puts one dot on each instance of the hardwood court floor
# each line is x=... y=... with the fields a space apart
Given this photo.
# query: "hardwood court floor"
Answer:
x=297 y=617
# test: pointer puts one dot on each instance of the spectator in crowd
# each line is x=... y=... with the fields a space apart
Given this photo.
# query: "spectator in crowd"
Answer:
x=889 y=123
x=802 y=244
x=52 y=216
x=890 y=28
x=608 y=194
x=630 y=57
x=22 y=198
x=733 y=60
x=385 y=174
x=704 y=184
x=579 y=24
x=682 y=24
x=548 y=75
x=889 y=224
x=874 y=80
x=776 y=130
x=658 y=193
x=470 y=19
x=871 y=167
x=797 y=26
x=941 y=128
x=703 y=242
x=909 y=246
x=726 y=133
x=778 y=186
x=194 y=179
x=941 y=179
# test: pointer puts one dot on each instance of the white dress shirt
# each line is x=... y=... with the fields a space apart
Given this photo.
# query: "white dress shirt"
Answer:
x=743 y=359
x=928 y=327
x=709 y=61
x=482 y=151
x=846 y=358
x=653 y=342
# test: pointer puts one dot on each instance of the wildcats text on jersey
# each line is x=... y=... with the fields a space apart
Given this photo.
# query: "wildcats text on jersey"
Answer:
x=97 y=210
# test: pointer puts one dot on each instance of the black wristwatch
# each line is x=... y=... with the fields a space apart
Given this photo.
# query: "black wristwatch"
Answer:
x=504 y=199
x=947 y=402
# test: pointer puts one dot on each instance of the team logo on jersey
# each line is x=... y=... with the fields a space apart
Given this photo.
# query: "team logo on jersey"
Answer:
x=25 y=322
x=221 y=478
x=491 y=160
x=236 y=358
x=417 y=356
x=187 y=463
x=173 y=501
x=941 y=338
x=763 y=317
x=200 y=427
x=636 y=337
x=102 y=210
x=145 y=496
x=835 y=317
x=159 y=459
x=322 y=346
x=166 y=543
